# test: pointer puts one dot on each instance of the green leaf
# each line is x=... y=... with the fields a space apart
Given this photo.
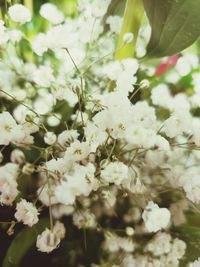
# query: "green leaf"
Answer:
x=191 y=235
x=175 y=25
x=22 y=243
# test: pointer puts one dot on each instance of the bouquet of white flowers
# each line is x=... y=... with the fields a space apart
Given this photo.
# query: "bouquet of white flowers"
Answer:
x=99 y=150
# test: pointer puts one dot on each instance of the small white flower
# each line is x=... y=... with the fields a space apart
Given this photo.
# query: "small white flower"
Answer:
x=67 y=137
x=59 y=230
x=160 y=96
x=144 y=84
x=51 y=13
x=94 y=136
x=178 y=248
x=178 y=123
x=84 y=219
x=99 y=7
x=3 y=34
x=195 y=263
x=115 y=23
x=115 y=172
x=128 y=37
x=27 y=213
x=126 y=244
x=39 y=44
x=17 y=156
x=15 y=36
x=191 y=184
x=130 y=231
x=8 y=184
x=155 y=218
x=50 y=138
x=77 y=151
x=47 y=241
x=19 y=13
x=9 y=130
x=43 y=76
x=160 y=244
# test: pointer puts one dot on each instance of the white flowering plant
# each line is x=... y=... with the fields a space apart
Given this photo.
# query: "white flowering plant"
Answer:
x=99 y=139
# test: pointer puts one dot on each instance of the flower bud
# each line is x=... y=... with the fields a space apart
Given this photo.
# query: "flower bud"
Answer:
x=17 y=156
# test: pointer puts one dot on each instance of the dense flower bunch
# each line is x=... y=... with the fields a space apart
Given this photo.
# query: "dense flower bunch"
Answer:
x=72 y=125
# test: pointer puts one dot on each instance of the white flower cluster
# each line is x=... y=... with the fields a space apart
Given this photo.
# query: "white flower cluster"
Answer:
x=72 y=123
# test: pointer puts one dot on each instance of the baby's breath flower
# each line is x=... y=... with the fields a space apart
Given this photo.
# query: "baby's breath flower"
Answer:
x=26 y=212
x=19 y=13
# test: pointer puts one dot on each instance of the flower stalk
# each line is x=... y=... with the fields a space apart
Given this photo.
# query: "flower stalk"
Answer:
x=29 y=5
x=132 y=19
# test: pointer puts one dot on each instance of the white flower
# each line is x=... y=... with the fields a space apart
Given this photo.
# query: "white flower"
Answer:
x=114 y=23
x=128 y=37
x=64 y=93
x=126 y=244
x=125 y=82
x=186 y=63
x=51 y=13
x=19 y=13
x=45 y=102
x=179 y=122
x=195 y=263
x=196 y=131
x=66 y=192
x=15 y=35
x=84 y=219
x=191 y=184
x=160 y=96
x=59 y=230
x=94 y=136
x=178 y=248
x=26 y=212
x=8 y=184
x=50 y=138
x=61 y=210
x=144 y=115
x=112 y=242
x=115 y=172
x=66 y=137
x=58 y=37
x=56 y=166
x=47 y=241
x=39 y=44
x=9 y=130
x=160 y=244
x=17 y=156
x=80 y=181
x=77 y=151
x=141 y=137
x=54 y=120
x=129 y=261
x=155 y=218
x=3 y=34
x=43 y=76
x=99 y=7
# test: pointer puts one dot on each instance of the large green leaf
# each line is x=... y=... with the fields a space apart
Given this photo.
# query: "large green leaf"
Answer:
x=22 y=244
x=175 y=25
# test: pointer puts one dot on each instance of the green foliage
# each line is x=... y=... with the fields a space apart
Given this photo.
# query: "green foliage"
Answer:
x=190 y=233
x=22 y=243
x=174 y=23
